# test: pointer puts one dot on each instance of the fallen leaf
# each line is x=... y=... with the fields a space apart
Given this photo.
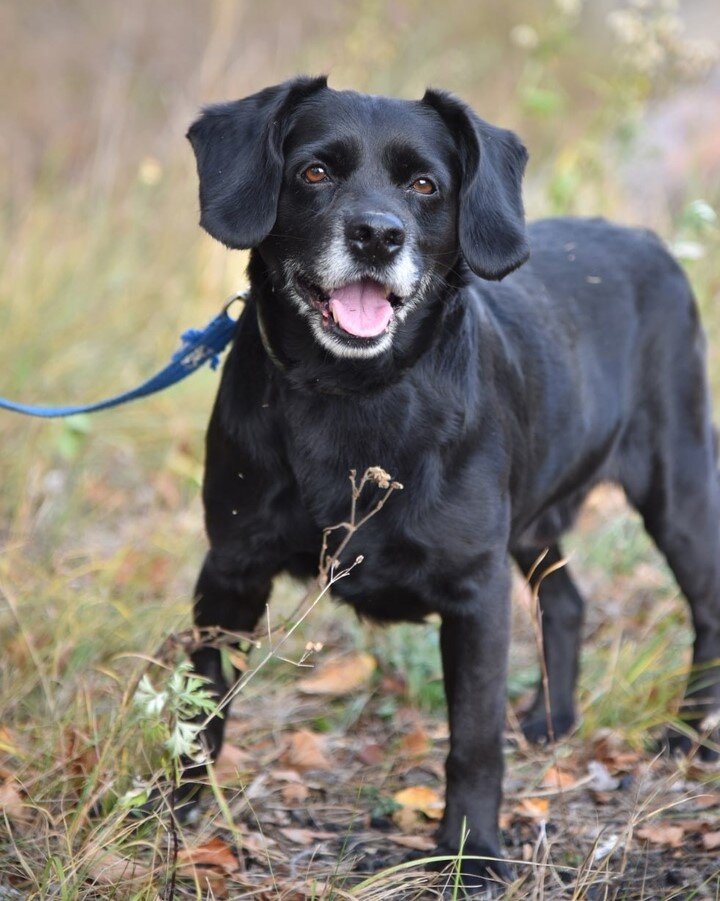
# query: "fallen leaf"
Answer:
x=231 y=763
x=239 y=660
x=711 y=841
x=394 y=685
x=11 y=800
x=609 y=749
x=415 y=842
x=707 y=799
x=286 y=775
x=662 y=834
x=558 y=779
x=407 y=819
x=371 y=754
x=211 y=883
x=415 y=743
x=533 y=808
x=601 y=780
x=340 y=676
x=294 y=793
x=695 y=825
x=305 y=751
x=214 y=853
x=257 y=843
x=606 y=847
x=306 y=836
x=112 y=869
x=311 y=889
x=421 y=798
x=80 y=753
x=8 y=742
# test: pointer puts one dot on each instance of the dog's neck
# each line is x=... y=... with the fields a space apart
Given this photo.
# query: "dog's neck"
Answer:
x=292 y=349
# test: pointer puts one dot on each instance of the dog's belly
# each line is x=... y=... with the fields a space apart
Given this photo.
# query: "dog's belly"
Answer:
x=546 y=529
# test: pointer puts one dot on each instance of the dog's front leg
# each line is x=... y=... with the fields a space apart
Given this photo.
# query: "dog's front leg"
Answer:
x=230 y=600
x=474 y=645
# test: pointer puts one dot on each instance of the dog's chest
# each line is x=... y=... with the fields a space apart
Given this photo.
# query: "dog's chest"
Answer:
x=442 y=519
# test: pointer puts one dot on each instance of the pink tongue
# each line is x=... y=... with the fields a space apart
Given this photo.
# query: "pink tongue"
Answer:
x=362 y=309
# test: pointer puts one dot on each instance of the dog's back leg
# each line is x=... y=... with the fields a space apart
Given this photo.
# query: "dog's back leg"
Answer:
x=681 y=512
x=561 y=607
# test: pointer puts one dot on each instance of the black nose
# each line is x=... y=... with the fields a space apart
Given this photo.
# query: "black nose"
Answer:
x=375 y=236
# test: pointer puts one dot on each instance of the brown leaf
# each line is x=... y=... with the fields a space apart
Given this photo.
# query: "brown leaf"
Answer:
x=285 y=775
x=707 y=799
x=294 y=793
x=304 y=891
x=239 y=660
x=695 y=825
x=305 y=751
x=415 y=743
x=421 y=798
x=711 y=841
x=415 y=842
x=533 y=808
x=408 y=820
x=257 y=843
x=393 y=685
x=81 y=754
x=340 y=676
x=11 y=800
x=231 y=764
x=609 y=749
x=111 y=869
x=211 y=883
x=306 y=836
x=662 y=834
x=8 y=741
x=371 y=754
x=214 y=853
x=558 y=779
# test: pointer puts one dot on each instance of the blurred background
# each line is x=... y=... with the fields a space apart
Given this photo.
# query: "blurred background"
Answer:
x=102 y=265
x=102 y=261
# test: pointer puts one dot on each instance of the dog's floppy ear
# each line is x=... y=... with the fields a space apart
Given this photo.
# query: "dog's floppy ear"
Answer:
x=238 y=149
x=491 y=220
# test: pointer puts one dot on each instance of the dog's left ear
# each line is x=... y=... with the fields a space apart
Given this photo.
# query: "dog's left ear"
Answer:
x=238 y=148
x=491 y=219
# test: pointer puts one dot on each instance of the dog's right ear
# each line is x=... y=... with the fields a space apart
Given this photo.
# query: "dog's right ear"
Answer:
x=238 y=149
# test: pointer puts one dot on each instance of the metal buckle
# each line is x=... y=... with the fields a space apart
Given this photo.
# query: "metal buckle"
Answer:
x=241 y=297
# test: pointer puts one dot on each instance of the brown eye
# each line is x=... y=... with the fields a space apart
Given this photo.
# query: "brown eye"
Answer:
x=315 y=174
x=423 y=186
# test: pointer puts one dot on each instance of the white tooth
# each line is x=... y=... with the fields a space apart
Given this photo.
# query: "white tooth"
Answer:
x=334 y=314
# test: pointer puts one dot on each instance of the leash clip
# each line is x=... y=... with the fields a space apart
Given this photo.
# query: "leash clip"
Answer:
x=240 y=297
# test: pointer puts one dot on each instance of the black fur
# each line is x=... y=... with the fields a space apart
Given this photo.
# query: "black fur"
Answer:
x=498 y=405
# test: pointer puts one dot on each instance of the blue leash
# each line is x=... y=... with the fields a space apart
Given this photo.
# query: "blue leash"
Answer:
x=198 y=347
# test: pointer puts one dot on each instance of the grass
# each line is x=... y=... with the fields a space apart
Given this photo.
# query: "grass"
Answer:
x=101 y=523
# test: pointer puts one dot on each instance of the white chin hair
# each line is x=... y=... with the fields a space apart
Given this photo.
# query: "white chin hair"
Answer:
x=339 y=348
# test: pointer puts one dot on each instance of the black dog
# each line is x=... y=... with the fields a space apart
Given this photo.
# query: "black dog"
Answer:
x=377 y=334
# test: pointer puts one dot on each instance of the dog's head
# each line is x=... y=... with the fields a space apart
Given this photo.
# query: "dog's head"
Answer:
x=360 y=206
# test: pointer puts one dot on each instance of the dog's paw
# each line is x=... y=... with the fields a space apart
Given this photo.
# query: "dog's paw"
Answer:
x=181 y=803
x=479 y=873
x=535 y=726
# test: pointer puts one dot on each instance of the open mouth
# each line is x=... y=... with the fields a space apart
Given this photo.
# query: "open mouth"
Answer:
x=362 y=309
